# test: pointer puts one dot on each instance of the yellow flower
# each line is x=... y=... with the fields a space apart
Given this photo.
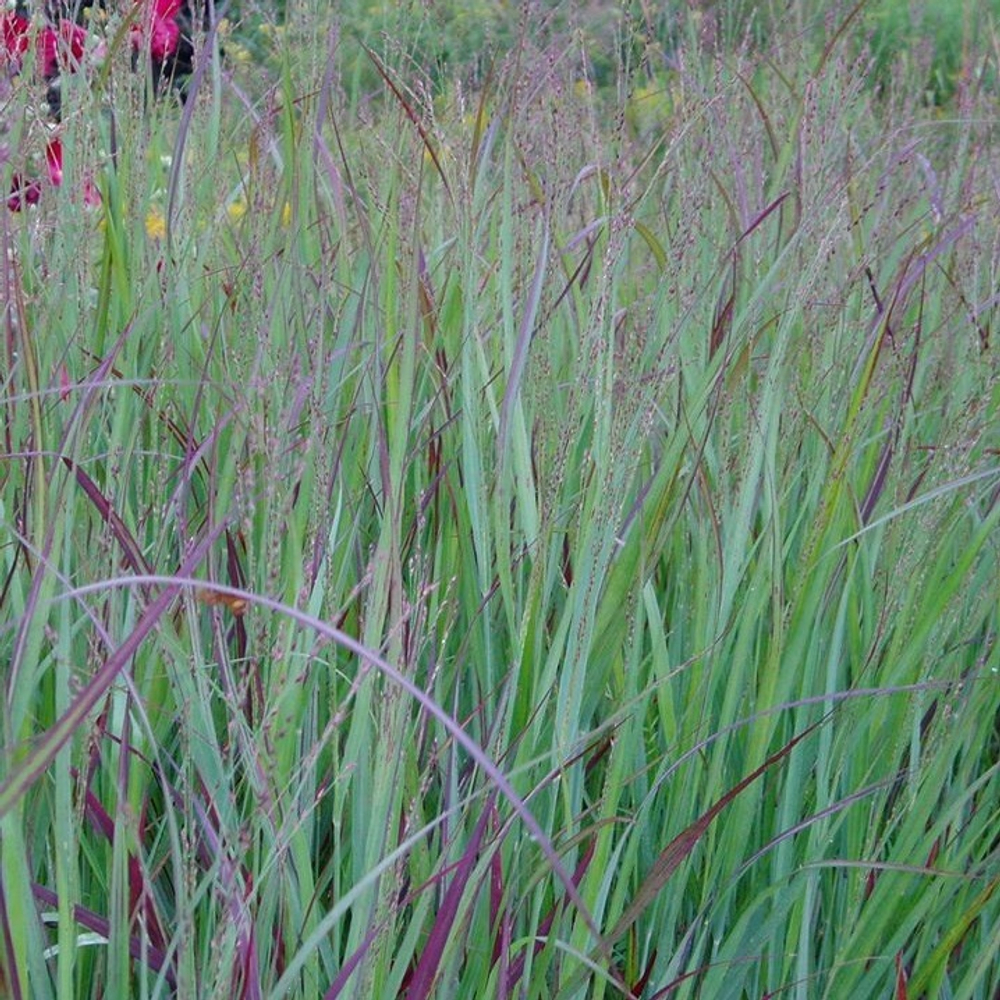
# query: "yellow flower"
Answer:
x=239 y=53
x=156 y=224
x=236 y=209
x=275 y=31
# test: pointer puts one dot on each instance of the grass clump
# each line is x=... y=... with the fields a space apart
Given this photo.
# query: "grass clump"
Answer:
x=497 y=543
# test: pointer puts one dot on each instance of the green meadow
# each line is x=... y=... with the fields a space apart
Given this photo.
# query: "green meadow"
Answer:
x=505 y=503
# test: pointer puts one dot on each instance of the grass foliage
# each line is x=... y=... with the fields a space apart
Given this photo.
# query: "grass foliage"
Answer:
x=529 y=540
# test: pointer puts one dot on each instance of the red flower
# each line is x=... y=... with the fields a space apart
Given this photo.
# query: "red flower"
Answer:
x=60 y=49
x=159 y=30
x=23 y=192
x=53 y=160
x=14 y=32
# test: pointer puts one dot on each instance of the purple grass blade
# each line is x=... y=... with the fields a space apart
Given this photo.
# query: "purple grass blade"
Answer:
x=412 y=114
x=246 y=970
x=520 y=359
x=505 y=936
x=140 y=950
x=141 y=895
x=878 y=481
x=8 y=947
x=133 y=553
x=517 y=966
x=45 y=548
x=496 y=892
x=350 y=965
x=443 y=929
x=34 y=764
x=249 y=966
x=321 y=150
x=914 y=269
x=762 y=215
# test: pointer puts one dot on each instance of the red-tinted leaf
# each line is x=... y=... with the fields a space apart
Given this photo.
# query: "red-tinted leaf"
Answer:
x=422 y=983
x=14 y=987
x=871 y=880
x=901 y=978
x=721 y=325
x=517 y=966
x=683 y=844
x=639 y=986
x=37 y=760
x=412 y=115
x=133 y=553
x=140 y=892
x=139 y=949
x=935 y=851
x=350 y=965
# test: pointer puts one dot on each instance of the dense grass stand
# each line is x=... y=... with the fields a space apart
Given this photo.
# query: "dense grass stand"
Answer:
x=500 y=500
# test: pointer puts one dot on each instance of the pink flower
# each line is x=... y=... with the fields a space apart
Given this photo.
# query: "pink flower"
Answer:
x=91 y=193
x=159 y=30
